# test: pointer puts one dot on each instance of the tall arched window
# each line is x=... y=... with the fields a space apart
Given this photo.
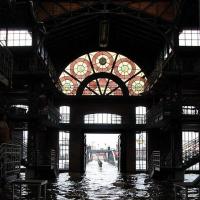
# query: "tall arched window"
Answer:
x=102 y=73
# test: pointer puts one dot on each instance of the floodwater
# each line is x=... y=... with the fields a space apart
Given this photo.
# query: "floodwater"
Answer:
x=107 y=184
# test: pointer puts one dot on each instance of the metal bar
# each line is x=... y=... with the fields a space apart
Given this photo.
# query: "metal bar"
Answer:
x=80 y=82
x=111 y=73
x=94 y=73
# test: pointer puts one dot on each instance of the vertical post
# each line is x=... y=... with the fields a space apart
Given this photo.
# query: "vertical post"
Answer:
x=128 y=156
x=76 y=151
x=128 y=141
x=77 y=142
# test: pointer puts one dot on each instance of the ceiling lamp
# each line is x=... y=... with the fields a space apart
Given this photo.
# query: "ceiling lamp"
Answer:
x=103 y=33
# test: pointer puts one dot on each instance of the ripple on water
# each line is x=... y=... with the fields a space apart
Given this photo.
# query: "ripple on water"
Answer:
x=107 y=184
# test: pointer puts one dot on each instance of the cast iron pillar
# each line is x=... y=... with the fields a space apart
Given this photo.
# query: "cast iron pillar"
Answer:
x=77 y=144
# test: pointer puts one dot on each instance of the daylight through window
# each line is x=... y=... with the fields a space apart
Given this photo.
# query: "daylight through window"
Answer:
x=64 y=114
x=109 y=63
x=16 y=37
x=189 y=38
x=63 y=150
x=140 y=112
x=141 y=151
x=102 y=118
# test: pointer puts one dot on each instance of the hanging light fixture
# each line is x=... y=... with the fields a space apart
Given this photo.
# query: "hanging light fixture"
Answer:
x=103 y=33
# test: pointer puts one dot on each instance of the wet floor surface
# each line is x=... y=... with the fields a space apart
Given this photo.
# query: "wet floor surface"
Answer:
x=106 y=184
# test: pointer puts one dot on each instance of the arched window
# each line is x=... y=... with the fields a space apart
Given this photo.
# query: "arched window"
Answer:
x=64 y=114
x=102 y=118
x=102 y=73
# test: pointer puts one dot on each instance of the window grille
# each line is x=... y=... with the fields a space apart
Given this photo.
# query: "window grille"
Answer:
x=63 y=150
x=102 y=118
x=141 y=151
x=64 y=114
x=15 y=37
x=189 y=38
x=140 y=112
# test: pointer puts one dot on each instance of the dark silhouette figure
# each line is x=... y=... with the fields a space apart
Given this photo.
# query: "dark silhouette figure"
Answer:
x=99 y=163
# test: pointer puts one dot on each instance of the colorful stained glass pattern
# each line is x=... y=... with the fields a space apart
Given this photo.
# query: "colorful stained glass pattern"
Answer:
x=136 y=85
x=124 y=68
x=68 y=84
x=103 y=61
x=80 y=68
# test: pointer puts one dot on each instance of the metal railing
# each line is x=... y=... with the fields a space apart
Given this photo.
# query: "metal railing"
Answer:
x=50 y=113
x=6 y=64
x=10 y=159
x=154 y=162
x=190 y=150
x=155 y=114
x=158 y=71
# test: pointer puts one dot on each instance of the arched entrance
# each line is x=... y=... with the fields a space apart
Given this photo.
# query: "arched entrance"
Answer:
x=103 y=82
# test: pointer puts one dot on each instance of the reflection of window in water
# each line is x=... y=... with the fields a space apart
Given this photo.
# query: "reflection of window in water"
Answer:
x=63 y=150
x=141 y=151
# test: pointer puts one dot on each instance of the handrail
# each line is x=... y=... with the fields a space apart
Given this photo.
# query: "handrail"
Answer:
x=190 y=150
x=51 y=113
x=157 y=72
x=154 y=162
x=6 y=63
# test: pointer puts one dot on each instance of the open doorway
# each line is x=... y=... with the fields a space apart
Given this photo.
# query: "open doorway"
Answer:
x=102 y=151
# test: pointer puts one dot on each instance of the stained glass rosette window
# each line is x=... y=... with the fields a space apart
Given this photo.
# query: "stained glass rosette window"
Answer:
x=107 y=62
x=102 y=61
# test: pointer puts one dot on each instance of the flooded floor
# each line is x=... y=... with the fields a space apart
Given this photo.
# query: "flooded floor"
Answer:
x=107 y=184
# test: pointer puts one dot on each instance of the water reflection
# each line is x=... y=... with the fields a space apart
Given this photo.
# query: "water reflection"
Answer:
x=107 y=184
